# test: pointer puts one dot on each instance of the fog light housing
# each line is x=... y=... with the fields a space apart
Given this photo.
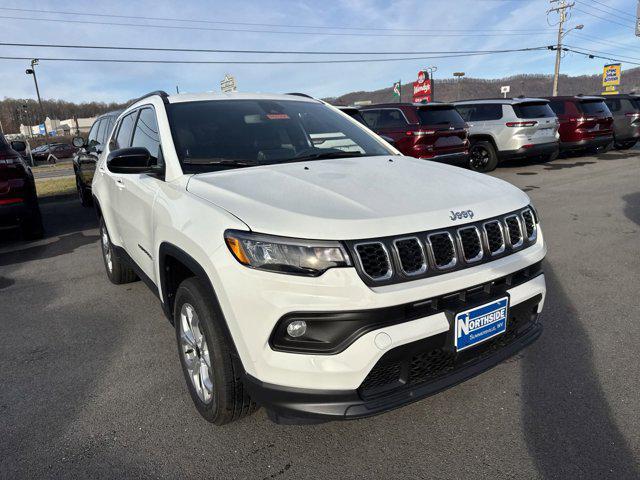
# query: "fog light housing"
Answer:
x=297 y=328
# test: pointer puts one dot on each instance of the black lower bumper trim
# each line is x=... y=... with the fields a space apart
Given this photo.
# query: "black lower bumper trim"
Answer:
x=536 y=151
x=293 y=406
x=588 y=143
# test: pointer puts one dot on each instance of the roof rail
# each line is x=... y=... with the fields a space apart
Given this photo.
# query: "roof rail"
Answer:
x=161 y=93
x=297 y=94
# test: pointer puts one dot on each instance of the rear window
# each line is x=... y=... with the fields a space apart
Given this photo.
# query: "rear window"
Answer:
x=594 y=107
x=384 y=118
x=533 y=110
x=623 y=105
x=440 y=116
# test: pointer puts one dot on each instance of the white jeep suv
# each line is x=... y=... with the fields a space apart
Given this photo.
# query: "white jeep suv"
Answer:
x=319 y=281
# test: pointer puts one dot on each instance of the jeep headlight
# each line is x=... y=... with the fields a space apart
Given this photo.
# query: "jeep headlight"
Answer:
x=286 y=255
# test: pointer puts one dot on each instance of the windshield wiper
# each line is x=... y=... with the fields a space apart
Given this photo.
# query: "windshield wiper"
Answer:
x=231 y=162
x=326 y=155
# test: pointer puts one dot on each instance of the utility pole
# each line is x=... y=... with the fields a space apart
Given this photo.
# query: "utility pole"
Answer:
x=433 y=82
x=561 y=9
x=459 y=76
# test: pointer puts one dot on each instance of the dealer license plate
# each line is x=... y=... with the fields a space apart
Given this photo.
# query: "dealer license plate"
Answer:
x=481 y=323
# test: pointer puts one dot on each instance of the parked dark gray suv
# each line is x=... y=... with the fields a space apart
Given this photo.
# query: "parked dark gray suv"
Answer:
x=626 y=120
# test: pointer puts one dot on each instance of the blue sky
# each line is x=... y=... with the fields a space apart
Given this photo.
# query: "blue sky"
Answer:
x=502 y=24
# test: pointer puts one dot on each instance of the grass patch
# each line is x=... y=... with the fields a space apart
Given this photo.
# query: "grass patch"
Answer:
x=47 y=187
x=49 y=167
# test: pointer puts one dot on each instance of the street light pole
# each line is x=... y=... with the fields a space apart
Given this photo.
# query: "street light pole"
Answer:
x=433 y=83
x=459 y=76
x=32 y=71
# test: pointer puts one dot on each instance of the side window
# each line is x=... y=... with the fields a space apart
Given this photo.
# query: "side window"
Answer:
x=104 y=132
x=391 y=119
x=123 y=138
x=371 y=117
x=101 y=129
x=490 y=111
x=613 y=104
x=146 y=133
x=93 y=134
x=465 y=111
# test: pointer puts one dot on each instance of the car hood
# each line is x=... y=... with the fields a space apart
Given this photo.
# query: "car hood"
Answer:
x=356 y=198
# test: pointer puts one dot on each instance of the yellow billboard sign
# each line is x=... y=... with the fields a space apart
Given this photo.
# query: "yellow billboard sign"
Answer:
x=611 y=75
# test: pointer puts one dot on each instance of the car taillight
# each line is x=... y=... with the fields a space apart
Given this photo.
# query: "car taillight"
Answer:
x=10 y=201
x=521 y=124
x=419 y=133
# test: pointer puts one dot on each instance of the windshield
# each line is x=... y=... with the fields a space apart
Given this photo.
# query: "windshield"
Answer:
x=594 y=107
x=222 y=134
x=447 y=116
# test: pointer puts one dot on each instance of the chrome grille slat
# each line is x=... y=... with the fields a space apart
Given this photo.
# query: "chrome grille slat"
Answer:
x=443 y=250
x=374 y=260
x=470 y=244
x=494 y=237
x=529 y=222
x=514 y=231
x=410 y=255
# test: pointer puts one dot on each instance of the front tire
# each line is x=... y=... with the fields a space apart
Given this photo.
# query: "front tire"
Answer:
x=210 y=369
x=118 y=272
x=482 y=156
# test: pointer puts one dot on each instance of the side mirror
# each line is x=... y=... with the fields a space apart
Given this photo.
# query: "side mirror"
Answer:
x=78 y=142
x=19 y=146
x=132 y=160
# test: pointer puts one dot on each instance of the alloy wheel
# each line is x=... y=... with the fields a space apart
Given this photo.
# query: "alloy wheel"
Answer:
x=106 y=249
x=479 y=157
x=195 y=353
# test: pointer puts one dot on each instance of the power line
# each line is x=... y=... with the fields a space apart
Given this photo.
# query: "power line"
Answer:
x=260 y=62
x=602 y=42
x=284 y=52
x=613 y=8
x=603 y=53
x=589 y=54
x=628 y=25
x=279 y=32
x=601 y=10
x=251 y=24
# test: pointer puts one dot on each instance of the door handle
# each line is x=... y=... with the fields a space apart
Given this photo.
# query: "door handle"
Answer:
x=120 y=183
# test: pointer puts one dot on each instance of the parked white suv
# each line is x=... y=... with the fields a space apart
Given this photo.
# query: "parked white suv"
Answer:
x=509 y=129
x=321 y=283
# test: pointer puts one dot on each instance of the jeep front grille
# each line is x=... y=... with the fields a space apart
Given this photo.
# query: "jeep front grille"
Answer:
x=471 y=243
x=443 y=250
x=529 y=224
x=513 y=230
x=494 y=236
x=411 y=255
x=374 y=260
x=388 y=260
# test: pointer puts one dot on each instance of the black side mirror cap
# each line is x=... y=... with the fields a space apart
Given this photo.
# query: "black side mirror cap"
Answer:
x=132 y=160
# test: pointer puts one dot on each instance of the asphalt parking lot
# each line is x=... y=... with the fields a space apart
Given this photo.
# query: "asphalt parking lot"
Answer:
x=91 y=383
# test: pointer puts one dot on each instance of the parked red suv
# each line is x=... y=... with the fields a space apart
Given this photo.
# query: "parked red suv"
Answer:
x=434 y=131
x=585 y=122
x=18 y=199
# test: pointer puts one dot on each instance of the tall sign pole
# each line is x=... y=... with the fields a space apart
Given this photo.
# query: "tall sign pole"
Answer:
x=638 y=20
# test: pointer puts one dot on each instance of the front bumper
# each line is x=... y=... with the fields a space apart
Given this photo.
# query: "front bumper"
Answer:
x=535 y=151
x=412 y=371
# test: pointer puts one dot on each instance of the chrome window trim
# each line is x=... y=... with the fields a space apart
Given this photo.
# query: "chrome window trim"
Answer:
x=454 y=261
x=425 y=261
x=389 y=273
x=521 y=241
x=480 y=255
x=486 y=237
x=534 y=235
